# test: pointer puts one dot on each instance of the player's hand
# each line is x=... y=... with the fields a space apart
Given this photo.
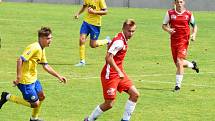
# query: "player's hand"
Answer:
x=121 y=75
x=15 y=83
x=90 y=10
x=171 y=31
x=76 y=16
x=63 y=79
x=193 y=37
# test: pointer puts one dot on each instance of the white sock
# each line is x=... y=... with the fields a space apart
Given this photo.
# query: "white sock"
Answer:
x=189 y=64
x=179 y=79
x=95 y=114
x=32 y=118
x=129 y=108
x=8 y=96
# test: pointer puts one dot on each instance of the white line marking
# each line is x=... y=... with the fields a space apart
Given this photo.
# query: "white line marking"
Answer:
x=12 y=20
x=143 y=81
x=172 y=82
x=143 y=75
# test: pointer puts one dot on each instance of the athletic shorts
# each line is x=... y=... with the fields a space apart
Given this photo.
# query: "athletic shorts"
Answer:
x=179 y=50
x=30 y=91
x=87 y=29
x=111 y=86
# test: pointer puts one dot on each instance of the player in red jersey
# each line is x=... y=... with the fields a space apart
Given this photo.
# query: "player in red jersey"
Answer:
x=113 y=76
x=177 y=23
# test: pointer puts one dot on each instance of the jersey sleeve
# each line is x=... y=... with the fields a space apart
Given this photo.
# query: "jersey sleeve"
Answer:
x=103 y=4
x=43 y=59
x=116 y=46
x=166 y=18
x=192 y=21
x=28 y=53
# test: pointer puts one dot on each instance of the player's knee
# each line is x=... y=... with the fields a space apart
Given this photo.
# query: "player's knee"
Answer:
x=135 y=96
x=179 y=63
x=109 y=105
x=93 y=45
x=41 y=98
x=82 y=40
x=35 y=104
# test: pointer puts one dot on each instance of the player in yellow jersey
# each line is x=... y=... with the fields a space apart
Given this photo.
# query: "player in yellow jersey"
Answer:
x=95 y=9
x=26 y=80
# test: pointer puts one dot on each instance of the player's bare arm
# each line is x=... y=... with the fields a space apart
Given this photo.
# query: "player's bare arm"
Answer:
x=50 y=70
x=76 y=16
x=166 y=28
x=101 y=12
x=194 y=32
x=110 y=60
x=18 y=71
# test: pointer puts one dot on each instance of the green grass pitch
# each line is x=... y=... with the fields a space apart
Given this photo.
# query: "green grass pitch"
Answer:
x=148 y=63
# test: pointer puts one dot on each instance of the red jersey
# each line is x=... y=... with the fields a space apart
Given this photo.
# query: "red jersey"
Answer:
x=118 y=47
x=180 y=22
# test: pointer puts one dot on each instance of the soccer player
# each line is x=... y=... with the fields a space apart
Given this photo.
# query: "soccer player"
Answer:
x=176 y=23
x=26 y=80
x=113 y=76
x=95 y=9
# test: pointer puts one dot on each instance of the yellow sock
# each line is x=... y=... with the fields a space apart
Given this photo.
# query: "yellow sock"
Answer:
x=101 y=42
x=36 y=111
x=19 y=100
x=82 y=52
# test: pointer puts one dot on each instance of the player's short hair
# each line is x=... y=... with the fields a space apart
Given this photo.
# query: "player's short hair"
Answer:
x=129 y=22
x=44 y=32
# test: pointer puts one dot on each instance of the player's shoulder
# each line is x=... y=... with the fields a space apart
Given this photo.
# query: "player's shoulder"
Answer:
x=171 y=11
x=119 y=36
x=188 y=12
x=34 y=46
x=101 y=0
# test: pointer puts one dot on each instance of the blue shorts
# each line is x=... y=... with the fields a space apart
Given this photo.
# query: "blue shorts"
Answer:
x=87 y=29
x=30 y=91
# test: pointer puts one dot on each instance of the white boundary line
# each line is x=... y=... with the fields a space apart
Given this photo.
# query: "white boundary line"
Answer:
x=172 y=82
x=143 y=81
x=143 y=75
x=2 y=19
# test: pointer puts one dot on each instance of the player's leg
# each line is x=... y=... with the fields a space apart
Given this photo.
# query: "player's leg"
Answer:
x=108 y=104
x=82 y=50
x=179 y=73
x=186 y=63
x=109 y=92
x=41 y=96
x=178 y=54
x=131 y=103
x=94 y=35
x=193 y=65
x=84 y=31
x=29 y=95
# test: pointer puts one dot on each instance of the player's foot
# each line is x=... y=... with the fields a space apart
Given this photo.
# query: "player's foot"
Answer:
x=195 y=67
x=80 y=64
x=177 y=88
x=3 y=98
x=86 y=119
x=36 y=119
x=124 y=120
